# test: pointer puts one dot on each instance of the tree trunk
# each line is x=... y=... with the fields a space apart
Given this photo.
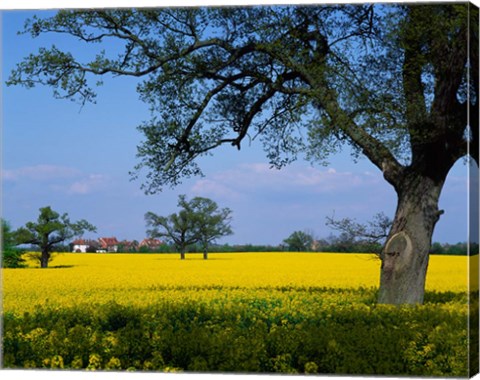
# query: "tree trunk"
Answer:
x=205 y=254
x=44 y=259
x=182 y=254
x=406 y=251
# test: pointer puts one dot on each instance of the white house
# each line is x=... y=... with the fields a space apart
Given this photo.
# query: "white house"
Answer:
x=82 y=246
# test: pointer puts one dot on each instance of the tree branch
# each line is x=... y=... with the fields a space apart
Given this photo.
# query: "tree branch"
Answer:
x=373 y=148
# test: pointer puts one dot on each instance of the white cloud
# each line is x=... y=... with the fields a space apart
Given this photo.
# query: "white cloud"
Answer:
x=249 y=178
x=58 y=178
x=209 y=187
x=89 y=184
x=39 y=173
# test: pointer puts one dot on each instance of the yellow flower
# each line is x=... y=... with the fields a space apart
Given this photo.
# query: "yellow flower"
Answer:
x=276 y=279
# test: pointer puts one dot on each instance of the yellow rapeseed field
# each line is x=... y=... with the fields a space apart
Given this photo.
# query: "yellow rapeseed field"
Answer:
x=142 y=279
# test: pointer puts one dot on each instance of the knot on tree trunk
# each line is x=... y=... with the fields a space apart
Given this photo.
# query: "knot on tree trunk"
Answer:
x=398 y=251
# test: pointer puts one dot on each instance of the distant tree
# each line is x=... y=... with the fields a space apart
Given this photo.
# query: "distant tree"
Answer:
x=11 y=256
x=437 y=248
x=299 y=241
x=321 y=245
x=135 y=244
x=128 y=247
x=344 y=242
x=179 y=227
x=199 y=221
x=458 y=249
x=50 y=230
x=371 y=234
x=211 y=222
x=144 y=249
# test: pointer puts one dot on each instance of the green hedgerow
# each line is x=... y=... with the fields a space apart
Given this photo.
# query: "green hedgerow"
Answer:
x=251 y=336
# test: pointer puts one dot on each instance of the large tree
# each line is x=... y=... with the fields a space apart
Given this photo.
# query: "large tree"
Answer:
x=398 y=83
x=50 y=230
x=212 y=222
x=180 y=228
x=198 y=221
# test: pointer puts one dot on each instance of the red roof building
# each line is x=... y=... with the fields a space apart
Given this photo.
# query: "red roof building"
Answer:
x=82 y=245
x=108 y=244
x=151 y=244
x=128 y=246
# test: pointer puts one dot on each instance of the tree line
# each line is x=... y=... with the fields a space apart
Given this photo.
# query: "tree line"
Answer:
x=301 y=241
x=199 y=222
x=305 y=241
x=369 y=237
x=195 y=228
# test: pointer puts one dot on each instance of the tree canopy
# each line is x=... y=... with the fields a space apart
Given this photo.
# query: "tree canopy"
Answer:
x=198 y=221
x=177 y=227
x=299 y=241
x=388 y=79
x=50 y=230
x=212 y=222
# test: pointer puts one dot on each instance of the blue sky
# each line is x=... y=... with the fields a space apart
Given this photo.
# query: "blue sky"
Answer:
x=77 y=160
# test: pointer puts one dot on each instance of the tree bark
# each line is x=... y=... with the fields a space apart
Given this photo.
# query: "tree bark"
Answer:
x=182 y=254
x=205 y=254
x=44 y=259
x=406 y=252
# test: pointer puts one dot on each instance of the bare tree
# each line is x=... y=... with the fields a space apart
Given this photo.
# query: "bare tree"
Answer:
x=373 y=233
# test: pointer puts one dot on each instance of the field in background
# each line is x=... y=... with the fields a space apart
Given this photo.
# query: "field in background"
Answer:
x=141 y=279
x=242 y=312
